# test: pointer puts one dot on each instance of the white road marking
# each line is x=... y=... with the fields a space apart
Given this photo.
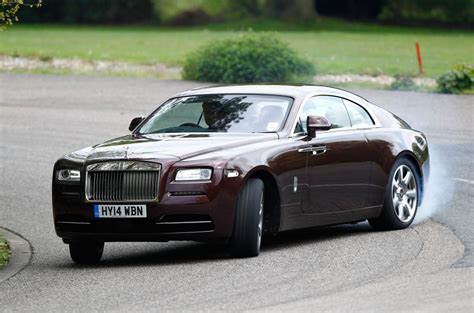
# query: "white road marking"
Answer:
x=468 y=181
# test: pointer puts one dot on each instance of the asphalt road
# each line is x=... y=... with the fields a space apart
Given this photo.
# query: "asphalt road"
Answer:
x=427 y=267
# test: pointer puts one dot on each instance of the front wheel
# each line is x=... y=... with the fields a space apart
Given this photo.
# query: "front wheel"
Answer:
x=401 y=197
x=86 y=252
x=248 y=225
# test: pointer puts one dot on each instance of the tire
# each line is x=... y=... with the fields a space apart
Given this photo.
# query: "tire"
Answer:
x=402 y=197
x=86 y=252
x=248 y=225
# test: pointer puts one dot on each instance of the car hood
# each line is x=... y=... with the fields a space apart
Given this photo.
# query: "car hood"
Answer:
x=169 y=146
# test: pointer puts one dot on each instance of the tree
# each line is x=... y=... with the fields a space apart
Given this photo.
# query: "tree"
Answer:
x=9 y=10
x=285 y=9
x=291 y=9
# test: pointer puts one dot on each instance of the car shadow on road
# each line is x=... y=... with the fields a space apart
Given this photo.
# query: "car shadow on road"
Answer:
x=313 y=235
x=192 y=252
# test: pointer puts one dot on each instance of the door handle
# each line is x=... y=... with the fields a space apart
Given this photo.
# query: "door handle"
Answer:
x=305 y=150
x=317 y=150
x=314 y=150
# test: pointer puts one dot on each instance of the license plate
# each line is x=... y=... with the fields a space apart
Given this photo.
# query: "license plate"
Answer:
x=119 y=210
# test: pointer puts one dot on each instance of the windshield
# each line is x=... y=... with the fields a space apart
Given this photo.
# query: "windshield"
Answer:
x=219 y=113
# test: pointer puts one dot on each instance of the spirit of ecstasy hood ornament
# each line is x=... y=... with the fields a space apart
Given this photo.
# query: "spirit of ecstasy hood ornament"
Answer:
x=126 y=151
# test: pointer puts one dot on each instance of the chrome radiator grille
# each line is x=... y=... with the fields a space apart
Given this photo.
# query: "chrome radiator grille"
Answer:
x=120 y=181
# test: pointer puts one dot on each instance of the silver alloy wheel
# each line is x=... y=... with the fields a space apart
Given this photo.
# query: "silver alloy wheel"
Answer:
x=404 y=193
x=260 y=221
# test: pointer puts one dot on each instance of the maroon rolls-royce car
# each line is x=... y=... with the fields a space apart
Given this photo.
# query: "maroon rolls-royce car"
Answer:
x=230 y=163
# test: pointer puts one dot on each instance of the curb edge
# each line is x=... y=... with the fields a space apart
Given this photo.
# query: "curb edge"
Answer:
x=21 y=254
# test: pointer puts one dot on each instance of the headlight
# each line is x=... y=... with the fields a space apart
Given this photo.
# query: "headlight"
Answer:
x=193 y=174
x=69 y=175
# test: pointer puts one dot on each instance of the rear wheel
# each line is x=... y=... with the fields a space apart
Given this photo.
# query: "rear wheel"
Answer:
x=248 y=225
x=86 y=252
x=401 y=197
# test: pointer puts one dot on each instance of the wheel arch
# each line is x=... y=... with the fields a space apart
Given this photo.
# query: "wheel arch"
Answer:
x=272 y=209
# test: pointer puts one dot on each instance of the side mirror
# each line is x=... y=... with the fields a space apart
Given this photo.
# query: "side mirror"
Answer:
x=135 y=122
x=314 y=123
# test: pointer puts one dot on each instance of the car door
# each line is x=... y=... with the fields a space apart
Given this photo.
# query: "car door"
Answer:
x=362 y=120
x=338 y=169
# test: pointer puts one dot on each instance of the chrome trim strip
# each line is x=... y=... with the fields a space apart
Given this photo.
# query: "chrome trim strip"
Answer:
x=73 y=223
x=336 y=130
x=185 y=232
x=185 y=222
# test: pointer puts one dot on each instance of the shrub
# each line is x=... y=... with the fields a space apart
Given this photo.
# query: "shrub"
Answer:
x=247 y=59
x=5 y=252
x=460 y=79
x=403 y=83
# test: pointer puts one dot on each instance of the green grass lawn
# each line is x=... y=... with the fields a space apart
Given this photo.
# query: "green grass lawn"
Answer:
x=4 y=253
x=334 y=47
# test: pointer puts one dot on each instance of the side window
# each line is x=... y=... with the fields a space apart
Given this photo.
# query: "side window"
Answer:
x=330 y=107
x=359 y=117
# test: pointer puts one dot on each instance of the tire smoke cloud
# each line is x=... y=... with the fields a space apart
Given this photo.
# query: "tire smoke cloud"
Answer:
x=439 y=190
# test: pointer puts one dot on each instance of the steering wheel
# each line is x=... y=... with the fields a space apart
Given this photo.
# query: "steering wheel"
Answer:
x=190 y=125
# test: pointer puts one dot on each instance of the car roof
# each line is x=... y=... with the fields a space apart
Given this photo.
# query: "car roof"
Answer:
x=294 y=91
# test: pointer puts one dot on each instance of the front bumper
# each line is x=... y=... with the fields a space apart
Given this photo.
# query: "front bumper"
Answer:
x=200 y=222
x=205 y=215
x=189 y=220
